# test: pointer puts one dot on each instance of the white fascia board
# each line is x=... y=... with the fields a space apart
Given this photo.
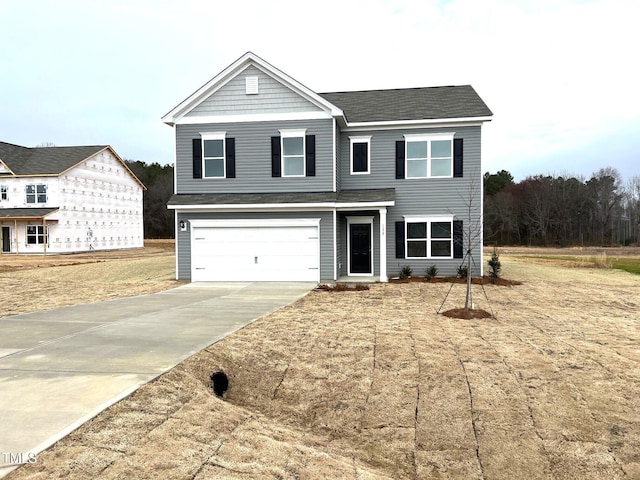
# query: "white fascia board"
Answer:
x=217 y=82
x=280 y=206
x=254 y=117
x=399 y=124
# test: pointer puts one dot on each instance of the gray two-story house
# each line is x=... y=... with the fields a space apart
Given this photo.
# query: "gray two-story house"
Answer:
x=275 y=182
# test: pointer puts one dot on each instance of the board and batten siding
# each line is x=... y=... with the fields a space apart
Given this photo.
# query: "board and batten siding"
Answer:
x=427 y=196
x=253 y=158
x=272 y=97
x=326 y=236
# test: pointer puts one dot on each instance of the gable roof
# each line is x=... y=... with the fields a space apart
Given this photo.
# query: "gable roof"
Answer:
x=44 y=160
x=405 y=104
x=54 y=161
x=413 y=105
x=231 y=72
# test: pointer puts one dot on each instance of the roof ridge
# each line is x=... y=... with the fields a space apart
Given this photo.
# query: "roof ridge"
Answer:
x=396 y=89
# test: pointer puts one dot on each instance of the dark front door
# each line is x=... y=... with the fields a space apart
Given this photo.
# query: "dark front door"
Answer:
x=6 y=239
x=360 y=248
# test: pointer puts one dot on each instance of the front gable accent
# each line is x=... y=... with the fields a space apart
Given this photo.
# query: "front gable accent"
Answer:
x=270 y=97
x=226 y=96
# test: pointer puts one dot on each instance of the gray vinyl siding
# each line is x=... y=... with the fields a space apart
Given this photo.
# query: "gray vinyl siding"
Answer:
x=326 y=236
x=273 y=97
x=253 y=158
x=420 y=196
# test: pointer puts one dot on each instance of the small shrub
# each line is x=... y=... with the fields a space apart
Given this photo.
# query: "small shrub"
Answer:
x=495 y=266
x=431 y=272
x=463 y=271
x=405 y=272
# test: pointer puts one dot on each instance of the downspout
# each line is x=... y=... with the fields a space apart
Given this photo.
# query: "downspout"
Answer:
x=15 y=232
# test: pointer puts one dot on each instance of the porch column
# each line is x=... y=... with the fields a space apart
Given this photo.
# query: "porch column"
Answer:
x=383 y=245
x=44 y=233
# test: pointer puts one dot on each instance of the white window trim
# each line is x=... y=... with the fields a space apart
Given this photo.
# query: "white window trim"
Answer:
x=351 y=220
x=427 y=137
x=428 y=219
x=215 y=136
x=293 y=134
x=366 y=140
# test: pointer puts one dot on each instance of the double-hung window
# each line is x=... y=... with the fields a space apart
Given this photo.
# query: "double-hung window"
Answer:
x=36 y=235
x=429 y=237
x=293 y=153
x=429 y=156
x=360 y=155
x=4 y=192
x=213 y=155
x=36 y=193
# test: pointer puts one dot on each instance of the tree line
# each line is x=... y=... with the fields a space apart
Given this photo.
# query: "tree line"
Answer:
x=539 y=210
x=158 y=219
x=562 y=210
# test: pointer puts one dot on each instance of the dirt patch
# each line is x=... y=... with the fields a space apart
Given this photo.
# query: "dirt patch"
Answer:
x=376 y=384
x=466 y=314
x=343 y=287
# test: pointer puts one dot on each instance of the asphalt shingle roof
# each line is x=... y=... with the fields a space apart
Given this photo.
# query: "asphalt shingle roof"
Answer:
x=409 y=104
x=344 y=196
x=44 y=160
x=23 y=213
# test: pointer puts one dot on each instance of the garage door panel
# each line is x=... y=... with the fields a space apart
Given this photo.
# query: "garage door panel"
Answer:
x=255 y=253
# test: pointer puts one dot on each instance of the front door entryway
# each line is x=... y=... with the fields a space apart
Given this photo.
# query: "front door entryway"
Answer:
x=360 y=249
x=6 y=239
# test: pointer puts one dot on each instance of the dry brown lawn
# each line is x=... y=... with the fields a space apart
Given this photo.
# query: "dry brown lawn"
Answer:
x=375 y=384
x=35 y=282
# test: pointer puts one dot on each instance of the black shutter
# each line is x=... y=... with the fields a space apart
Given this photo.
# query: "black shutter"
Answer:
x=399 y=239
x=310 y=155
x=197 y=158
x=458 y=239
x=400 y=160
x=457 y=157
x=275 y=157
x=231 y=157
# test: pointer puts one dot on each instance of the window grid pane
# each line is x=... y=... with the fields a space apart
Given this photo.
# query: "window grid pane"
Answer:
x=417 y=150
x=416 y=249
x=213 y=167
x=292 y=146
x=440 y=230
x=213 y=149
x=441 y=248
x=416 y=168
x=417 y=230
x=294 y=166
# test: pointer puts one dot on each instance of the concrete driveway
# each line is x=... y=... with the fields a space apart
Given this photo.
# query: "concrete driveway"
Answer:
x=59 y=368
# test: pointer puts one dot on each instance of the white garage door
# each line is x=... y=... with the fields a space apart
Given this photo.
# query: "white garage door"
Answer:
x=260 y=251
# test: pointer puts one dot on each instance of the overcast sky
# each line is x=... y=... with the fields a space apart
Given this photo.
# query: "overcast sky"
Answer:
x=562 y=77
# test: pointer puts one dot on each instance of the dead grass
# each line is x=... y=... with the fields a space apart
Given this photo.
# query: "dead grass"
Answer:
x=35 y=282
x=374 y=384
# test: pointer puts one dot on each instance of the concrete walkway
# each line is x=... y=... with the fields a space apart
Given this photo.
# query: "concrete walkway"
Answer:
x=59 y=368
